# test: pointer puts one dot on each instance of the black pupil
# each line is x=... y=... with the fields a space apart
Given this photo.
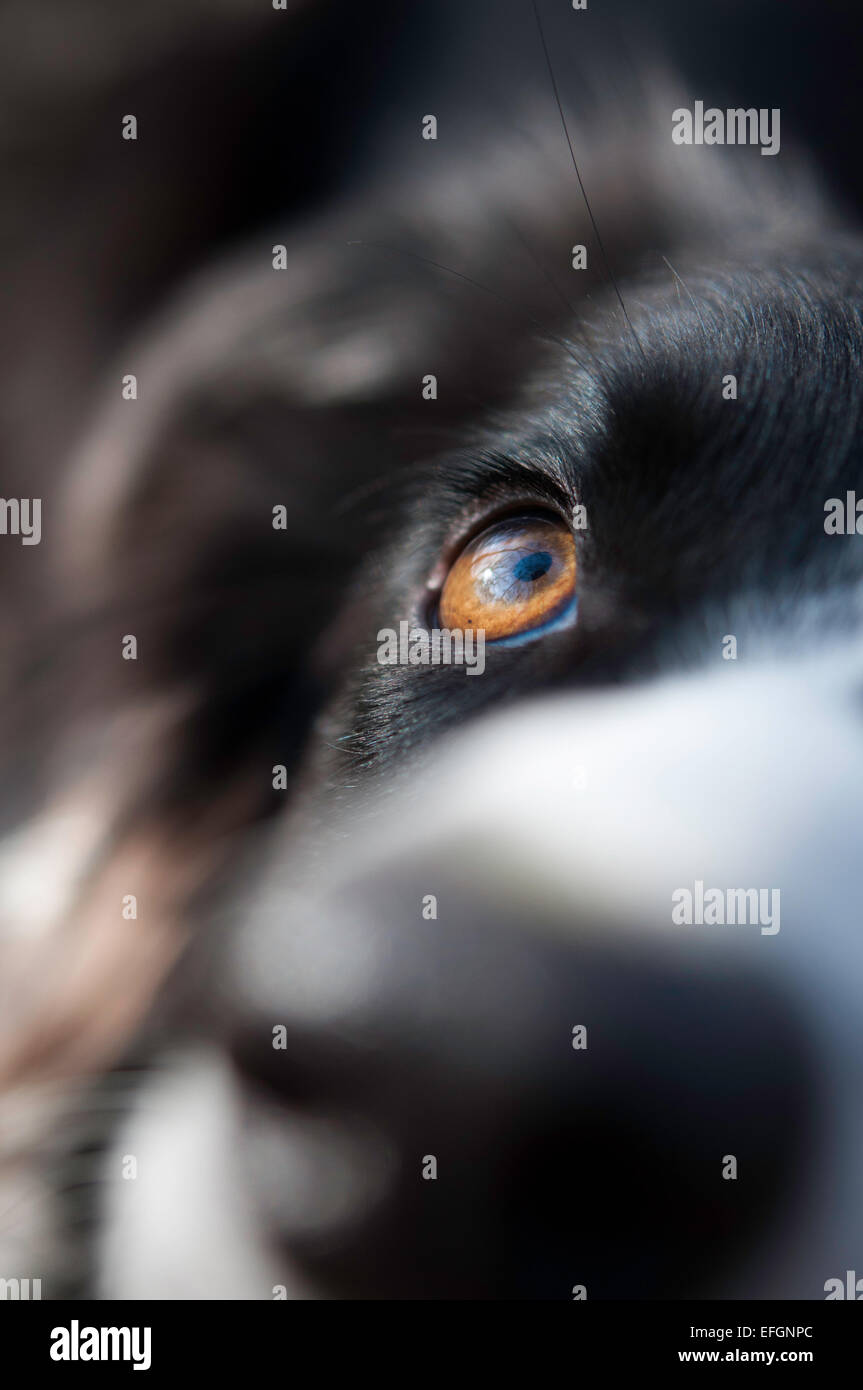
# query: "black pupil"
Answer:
x=533 y=567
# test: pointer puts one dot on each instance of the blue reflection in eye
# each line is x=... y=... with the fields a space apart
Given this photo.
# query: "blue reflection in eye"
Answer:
x=560 y=620
x=533 y=566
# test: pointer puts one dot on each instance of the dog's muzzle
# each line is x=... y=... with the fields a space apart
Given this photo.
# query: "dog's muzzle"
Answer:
x=506 y=1042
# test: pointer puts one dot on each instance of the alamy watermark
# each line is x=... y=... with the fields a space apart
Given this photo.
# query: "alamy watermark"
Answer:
x=77 y=1343
x=735 y=126
x=850 y=1287
x=21 y=516
x=718 y=907
x=21 y=1290
x=844 y=515
x=436 y=646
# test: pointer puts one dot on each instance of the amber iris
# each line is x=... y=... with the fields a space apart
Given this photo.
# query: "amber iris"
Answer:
x=515 y=576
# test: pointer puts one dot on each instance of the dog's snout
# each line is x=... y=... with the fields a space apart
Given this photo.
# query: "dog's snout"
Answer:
x=505 y=1015
x=511 y=1091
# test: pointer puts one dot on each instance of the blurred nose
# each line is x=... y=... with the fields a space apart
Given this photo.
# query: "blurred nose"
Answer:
x=536 y=1116
x=529 y=1079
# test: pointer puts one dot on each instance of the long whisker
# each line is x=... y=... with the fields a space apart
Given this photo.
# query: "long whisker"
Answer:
x=599 y=241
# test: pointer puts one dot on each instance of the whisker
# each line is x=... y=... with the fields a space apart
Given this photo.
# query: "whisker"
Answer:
x=599 y=241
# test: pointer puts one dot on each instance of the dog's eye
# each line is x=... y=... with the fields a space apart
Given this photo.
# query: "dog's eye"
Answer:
x=516 y=576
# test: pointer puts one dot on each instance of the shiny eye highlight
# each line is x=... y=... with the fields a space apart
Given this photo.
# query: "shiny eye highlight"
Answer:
x=516 y=576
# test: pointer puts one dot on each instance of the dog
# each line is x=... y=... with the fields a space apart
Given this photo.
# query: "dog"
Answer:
x=356 y=977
